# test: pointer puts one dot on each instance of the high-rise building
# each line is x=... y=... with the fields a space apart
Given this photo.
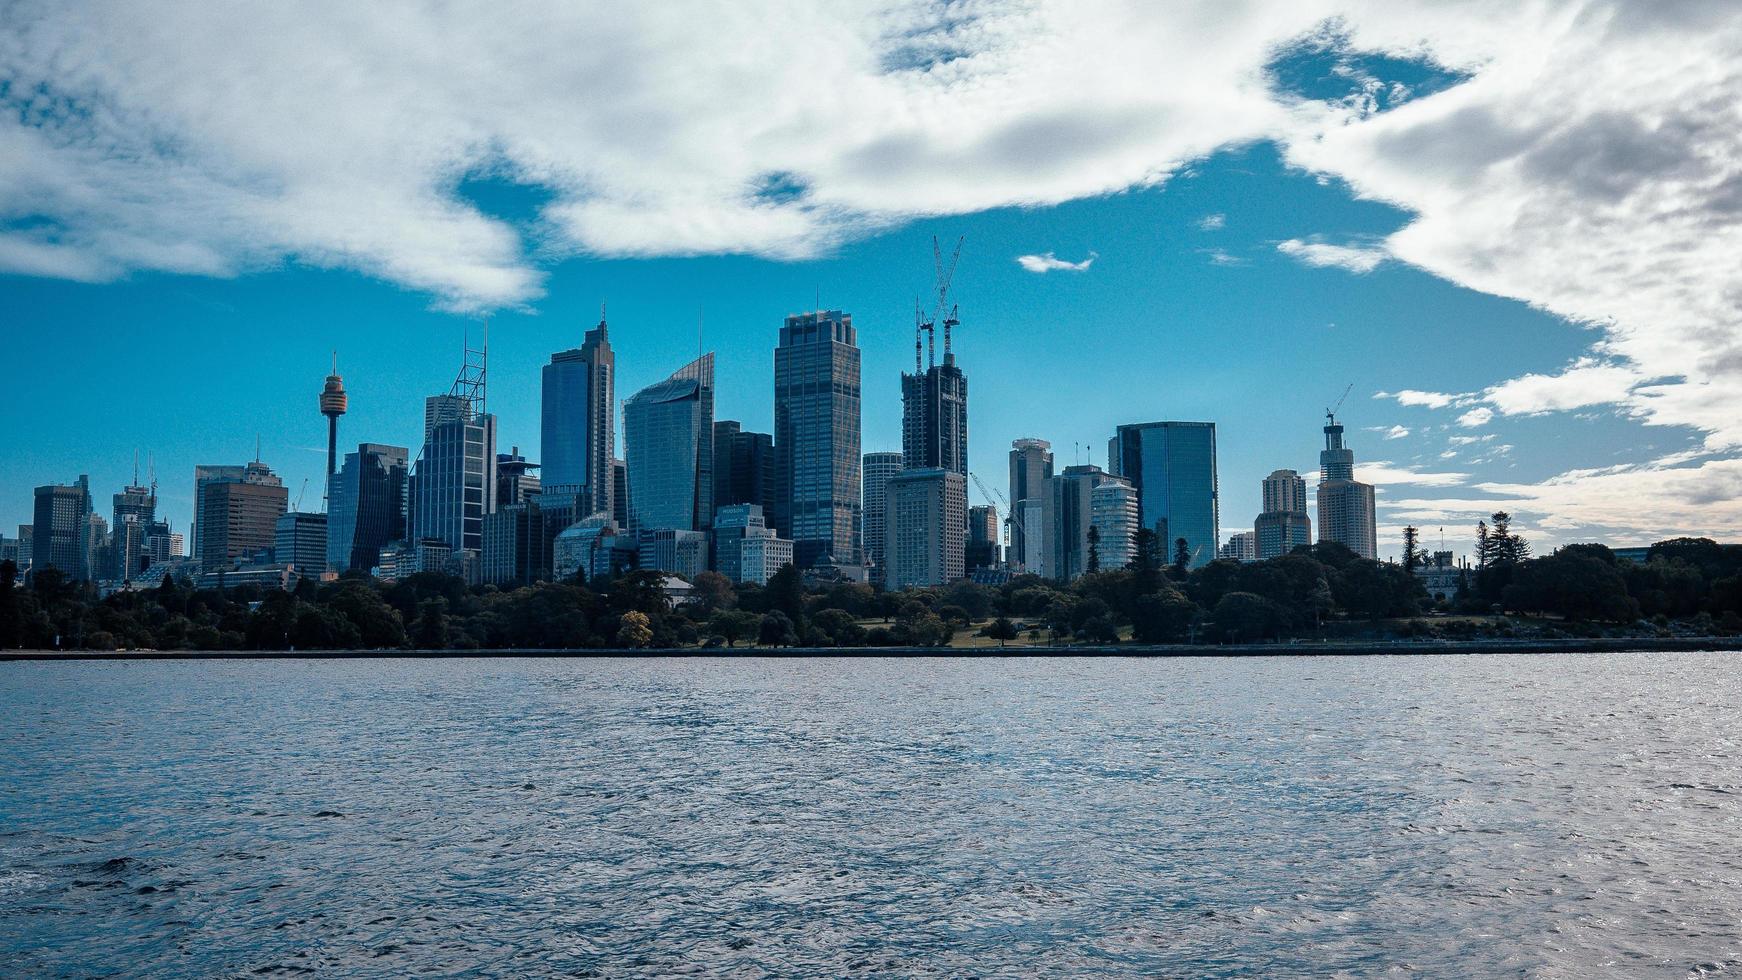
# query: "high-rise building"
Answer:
x=579 y=425
x=236 y=511
x=743 y=467
x=585 y=549
x=934 y=417
x=745 y=548
x=679 y=551
x=1345 y=504
x=1030 y=469
x=668 y=437
x=26 y=545
x=366 y=509
x=1067 y=513
x=518 y=543
x=983 y=550
x=134 y=525
x=620 y=493
x=1113 y=513
x=515 y=481
x=300 y=540
x=1284 y=524
x=334 y=401
x=453 y=483
x=877 y=469
x=1173 y=467
x=816 y=435
x=61 y=536
x=1240 y=546
x=925 y=528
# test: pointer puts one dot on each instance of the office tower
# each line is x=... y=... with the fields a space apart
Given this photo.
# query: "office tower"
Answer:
x=26 y=545
x=1067 y=513
x=333 y=404
x=453 y=483
x=1113 y=513
x=925 y=527
x=934 y=416
x=620 y=493
x=982 y=537
x=816 y=436
x=745 y=548
x=300 y=540
x=584 y=550
x=1240 y=546
x=135 y=510
x=1345 y=504
x=236 y=511
x=367 y=506
x=679 y=551
x=877 y=469
x=579 y=430
x=61 y=535
x=517 y=544
x=1173 y=467
x=1030 y=469
x=1284 y=525
x=9 y=552
x=668 y=436
x=743 y=467
x=515 y=481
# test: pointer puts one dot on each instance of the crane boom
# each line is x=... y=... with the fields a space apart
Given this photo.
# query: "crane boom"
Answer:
x=1331 y=413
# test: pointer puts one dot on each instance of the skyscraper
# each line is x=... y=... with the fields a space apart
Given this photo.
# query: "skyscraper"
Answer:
x=1345 y=504
x=61 y=532
x=934 y=417
x=1173 y=467
x=816 y=435
x=1284 y=524
x=134 y=526
x=877 y=468
x=668 y=442
x=300 y=539
x=453 y=482
x=578 y=422
x=743 y=467
x=925 y=527
x=1067 y=513
x=1030 y=468
x=982 y=537
x=367 y=507
x=515 y=481
x=1113 y=513
x=236 y=511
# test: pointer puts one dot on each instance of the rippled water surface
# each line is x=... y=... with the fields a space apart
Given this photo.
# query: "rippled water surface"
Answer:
x=1474 y=816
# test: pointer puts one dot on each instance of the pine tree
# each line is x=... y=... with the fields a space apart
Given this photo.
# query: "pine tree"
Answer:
x=1412 y=556
x=1182 y=555
x=1484 y=545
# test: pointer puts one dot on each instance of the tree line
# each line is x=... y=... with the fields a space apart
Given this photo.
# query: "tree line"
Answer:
x=1692 y=580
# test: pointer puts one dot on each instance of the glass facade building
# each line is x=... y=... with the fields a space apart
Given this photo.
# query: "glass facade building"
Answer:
x=453 y=485
x=1173 y=467
x=367 y=506
x=578 y=422
x=61 y=535
x=668 y=435
x=877 y=469
x=816 y=436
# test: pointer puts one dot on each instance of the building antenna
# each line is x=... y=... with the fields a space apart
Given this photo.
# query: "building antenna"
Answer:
x=136 y=467
x=699 y=330
x=256 y=447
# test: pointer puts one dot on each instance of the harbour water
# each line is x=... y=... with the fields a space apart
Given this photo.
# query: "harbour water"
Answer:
x=1566 y=815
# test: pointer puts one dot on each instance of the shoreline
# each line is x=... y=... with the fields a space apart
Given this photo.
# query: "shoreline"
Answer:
x=1327 y=649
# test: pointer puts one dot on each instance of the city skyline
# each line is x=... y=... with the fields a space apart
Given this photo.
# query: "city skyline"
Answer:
x=1286 y=206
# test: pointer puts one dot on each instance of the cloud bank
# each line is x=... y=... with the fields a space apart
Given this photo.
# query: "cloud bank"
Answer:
x=1051 y=263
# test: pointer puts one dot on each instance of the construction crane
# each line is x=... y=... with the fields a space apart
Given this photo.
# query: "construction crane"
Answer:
x=943 y=284
x=1331 y=413
x=1012 y=520
x=299 y=494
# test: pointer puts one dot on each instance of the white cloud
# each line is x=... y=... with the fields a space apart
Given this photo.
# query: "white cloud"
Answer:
x=1476 y=417
x=1395 y=432
x=1426 y=399
x=1590 y=165
x=1050 y=263
x=1354 y=258
x=1212 y=222
x=1469 y=440
x=1384 y=473
x=1223 y=257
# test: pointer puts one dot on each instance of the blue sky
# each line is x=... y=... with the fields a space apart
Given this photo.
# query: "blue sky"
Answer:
x=1418 y=218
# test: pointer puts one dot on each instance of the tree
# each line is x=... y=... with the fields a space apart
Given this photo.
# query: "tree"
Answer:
x=1094 y=549
x=11 y=620
x=1373 y=590
x=1146 y=561
x=714 y=591
x=1182 y=556
x=1242 y=617
x=1000 y=629
x=838 y=627
x=634 y=630
x=430 y=630
x=777 y=630
x=1412 y=554
x=733 y=625
x=786 y=594
x=1166 y=616
x=1574 y=584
